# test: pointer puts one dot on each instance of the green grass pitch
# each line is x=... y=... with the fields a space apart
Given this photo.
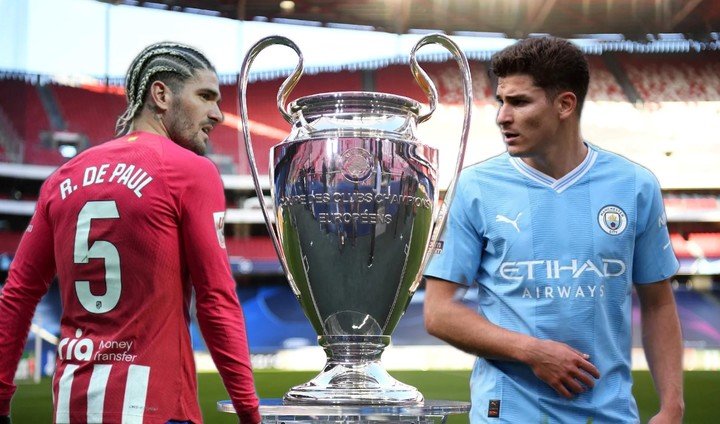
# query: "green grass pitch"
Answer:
x=32 y=403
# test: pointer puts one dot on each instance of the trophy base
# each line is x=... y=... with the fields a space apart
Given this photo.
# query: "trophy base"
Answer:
x=274 y=411
x=353 y=375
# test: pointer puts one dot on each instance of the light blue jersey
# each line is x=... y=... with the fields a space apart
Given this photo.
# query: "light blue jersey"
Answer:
x=556 y=259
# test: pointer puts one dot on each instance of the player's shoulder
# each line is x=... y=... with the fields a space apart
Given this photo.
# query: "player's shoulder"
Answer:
x=483 y=176
x=621 y=164
x=172 y=161
x=81 y=159
x=487 y=167
x=172 y=158
x=486 y=172
x=189 y=161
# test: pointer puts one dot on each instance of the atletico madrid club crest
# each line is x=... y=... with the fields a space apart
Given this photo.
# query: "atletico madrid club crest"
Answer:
x=219 y=219
x=612 y=220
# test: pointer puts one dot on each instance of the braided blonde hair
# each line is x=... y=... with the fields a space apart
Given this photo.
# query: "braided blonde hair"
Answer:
x=165 y=61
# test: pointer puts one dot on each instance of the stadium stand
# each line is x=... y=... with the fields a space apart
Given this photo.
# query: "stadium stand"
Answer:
x=397 y=79
x=684 y=78
x=22 y=105
x=603 y=85
x=11 y=145
x=90 y=110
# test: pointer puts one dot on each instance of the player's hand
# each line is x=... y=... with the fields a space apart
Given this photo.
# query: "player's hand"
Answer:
x=565 y=369
x=4 y=419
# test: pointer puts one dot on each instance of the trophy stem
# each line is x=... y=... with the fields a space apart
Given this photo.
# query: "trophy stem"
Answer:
x=354 y=375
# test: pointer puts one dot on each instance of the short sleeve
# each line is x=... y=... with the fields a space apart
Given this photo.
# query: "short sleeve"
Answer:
x=459 y=249
x=654 y=258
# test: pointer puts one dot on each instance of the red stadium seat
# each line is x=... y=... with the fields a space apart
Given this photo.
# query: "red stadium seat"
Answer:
x=686 y=77
x=90 y=112
x=21 y=103
x=603 y=85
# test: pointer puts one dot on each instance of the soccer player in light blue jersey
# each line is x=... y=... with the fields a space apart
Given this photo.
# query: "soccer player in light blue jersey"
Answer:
x=556 y=232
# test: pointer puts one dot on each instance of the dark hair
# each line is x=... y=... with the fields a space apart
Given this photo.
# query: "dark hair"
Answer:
x=171 y=63
x=554 y=64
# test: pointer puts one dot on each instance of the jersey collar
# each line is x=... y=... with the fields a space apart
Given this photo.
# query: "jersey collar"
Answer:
x=563 y=183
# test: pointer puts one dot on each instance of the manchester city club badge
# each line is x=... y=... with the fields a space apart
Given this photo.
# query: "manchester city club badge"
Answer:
x=612 y=219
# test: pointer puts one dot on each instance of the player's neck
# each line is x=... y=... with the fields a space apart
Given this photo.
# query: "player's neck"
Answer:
x=561 y=157
x=150 y=123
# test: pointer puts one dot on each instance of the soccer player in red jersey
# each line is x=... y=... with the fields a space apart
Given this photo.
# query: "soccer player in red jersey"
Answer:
x=131 y=228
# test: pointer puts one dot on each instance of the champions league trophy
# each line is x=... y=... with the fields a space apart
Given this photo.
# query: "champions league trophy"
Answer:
x=356 y=218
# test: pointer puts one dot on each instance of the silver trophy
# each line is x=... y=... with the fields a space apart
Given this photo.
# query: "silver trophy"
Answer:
x=356 y=216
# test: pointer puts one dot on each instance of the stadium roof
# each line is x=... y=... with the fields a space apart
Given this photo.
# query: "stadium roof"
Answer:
x=514 y=18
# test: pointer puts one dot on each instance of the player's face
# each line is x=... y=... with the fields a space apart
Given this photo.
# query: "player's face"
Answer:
x=527 y=119
x=194 y=111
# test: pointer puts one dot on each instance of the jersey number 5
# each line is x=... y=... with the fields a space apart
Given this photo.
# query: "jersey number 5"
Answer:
x=100 y=249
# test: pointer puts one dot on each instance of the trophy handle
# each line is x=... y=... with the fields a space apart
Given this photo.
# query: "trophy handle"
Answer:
x=282 y=96
x=422 y=78
x=429 y=88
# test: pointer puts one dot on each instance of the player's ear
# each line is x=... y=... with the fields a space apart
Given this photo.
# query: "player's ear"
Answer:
x=161 y=95
x=566 y=103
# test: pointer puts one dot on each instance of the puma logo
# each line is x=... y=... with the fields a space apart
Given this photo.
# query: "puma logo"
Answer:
x=513 y=222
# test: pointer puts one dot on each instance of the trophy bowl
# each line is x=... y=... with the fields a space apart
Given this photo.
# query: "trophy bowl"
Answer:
x=355 y=211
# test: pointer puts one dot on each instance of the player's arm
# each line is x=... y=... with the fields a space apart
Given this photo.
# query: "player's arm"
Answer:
x=662 y=342
x=218 y=309
x=30 y=275
x=560 y=366
x=654 y=263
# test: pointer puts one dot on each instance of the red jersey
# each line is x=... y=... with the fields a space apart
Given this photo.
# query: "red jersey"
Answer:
x=130 y=227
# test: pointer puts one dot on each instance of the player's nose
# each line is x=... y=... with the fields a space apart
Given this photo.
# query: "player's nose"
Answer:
x=215 y=114
x=504 y=115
